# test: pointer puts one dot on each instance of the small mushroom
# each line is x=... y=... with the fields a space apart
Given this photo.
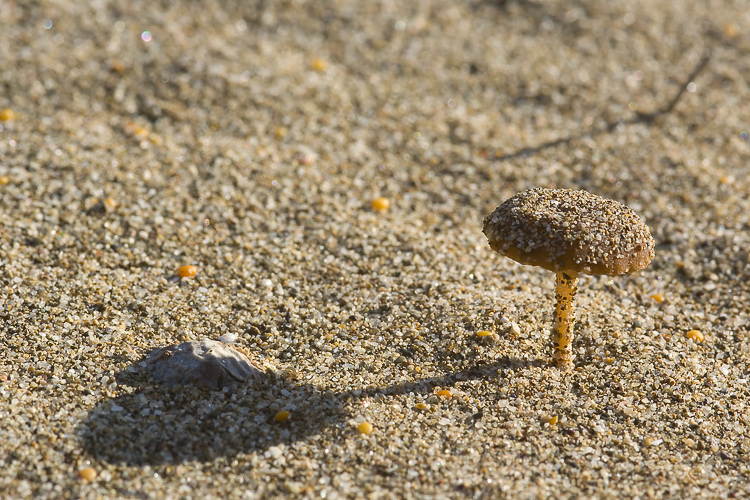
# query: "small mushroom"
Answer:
x=569 y=232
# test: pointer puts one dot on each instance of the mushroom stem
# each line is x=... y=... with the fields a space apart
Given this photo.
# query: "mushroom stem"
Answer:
x=566 y=287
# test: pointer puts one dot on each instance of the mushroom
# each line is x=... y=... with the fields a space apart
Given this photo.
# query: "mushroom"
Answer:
x=569 y=232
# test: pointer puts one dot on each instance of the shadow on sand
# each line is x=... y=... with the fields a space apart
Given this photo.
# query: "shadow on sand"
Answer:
x=157 y=425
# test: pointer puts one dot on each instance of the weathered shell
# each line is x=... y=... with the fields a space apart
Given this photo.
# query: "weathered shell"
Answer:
x=202 y=363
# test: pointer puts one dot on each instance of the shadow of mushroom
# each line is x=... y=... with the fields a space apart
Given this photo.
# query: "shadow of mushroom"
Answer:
x=489 y=371
x=152 y=424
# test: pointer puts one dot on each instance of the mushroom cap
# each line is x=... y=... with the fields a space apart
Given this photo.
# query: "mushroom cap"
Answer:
x=564 y=229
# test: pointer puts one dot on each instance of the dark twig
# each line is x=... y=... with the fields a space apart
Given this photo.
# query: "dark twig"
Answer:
x=640 y=117
x=649 y=117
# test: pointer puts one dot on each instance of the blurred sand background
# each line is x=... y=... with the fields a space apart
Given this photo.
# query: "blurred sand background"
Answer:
x=249 y=139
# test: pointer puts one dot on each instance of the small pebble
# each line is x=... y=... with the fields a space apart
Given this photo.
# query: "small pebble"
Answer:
x=650 y=441
x=381 y=204
x=229 y=338
x=695 y=335
x=7 y=115
x=306 y=159
x=658 y=298
x=731 y=30
x=365 y=428
x=87 y=474
x=445 y=393
x=187 y=271
x=136 y=130
x=294 y=488
x=319 y=65
x=488 y=337
x=281 y=416
x=550 y=419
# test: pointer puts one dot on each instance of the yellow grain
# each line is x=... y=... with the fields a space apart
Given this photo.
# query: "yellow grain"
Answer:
x=365 y=428
x=87 y=474
x=381 y=204
x=281 y=416
x=695 y=335
x=187 y=271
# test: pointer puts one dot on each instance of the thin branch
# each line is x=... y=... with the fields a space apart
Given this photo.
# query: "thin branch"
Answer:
x=640 y=117
x=649 y=117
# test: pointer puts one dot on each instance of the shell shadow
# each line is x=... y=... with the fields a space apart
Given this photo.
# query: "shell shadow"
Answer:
x=152 y=424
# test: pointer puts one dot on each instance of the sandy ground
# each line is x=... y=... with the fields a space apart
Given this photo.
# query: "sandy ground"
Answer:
x=249 y=139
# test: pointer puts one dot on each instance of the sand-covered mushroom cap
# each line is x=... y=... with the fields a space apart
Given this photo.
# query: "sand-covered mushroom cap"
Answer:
x=565 y=229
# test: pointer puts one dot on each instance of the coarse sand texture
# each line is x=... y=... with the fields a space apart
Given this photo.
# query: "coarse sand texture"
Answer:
x=241 y=257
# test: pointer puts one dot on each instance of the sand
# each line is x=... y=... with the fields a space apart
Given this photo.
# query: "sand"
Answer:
x=249 y=139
